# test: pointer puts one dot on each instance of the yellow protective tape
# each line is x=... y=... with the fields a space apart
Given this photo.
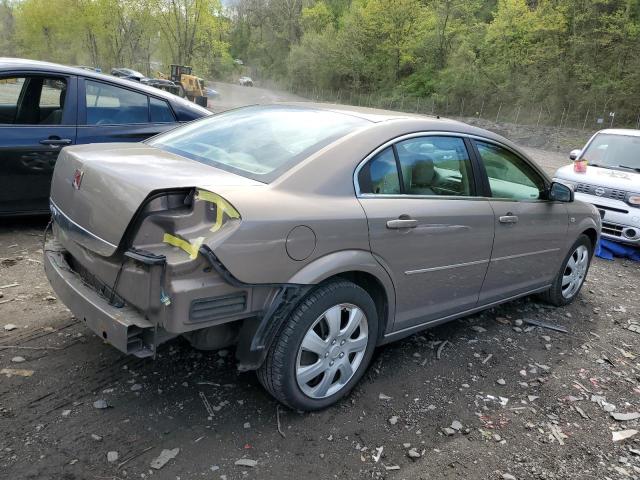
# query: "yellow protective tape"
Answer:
x=190 y=247
x=222 y=207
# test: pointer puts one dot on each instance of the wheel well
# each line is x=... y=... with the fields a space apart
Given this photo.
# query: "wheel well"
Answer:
x=593 y=236
x=373 y=287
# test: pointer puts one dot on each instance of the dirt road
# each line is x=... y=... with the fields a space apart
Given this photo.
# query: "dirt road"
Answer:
x=521 y=401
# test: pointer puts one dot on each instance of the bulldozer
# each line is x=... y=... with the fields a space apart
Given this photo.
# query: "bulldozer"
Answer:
x=194 y=88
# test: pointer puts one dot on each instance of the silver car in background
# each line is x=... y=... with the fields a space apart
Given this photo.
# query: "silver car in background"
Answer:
x=606 y=173
x=306 y=235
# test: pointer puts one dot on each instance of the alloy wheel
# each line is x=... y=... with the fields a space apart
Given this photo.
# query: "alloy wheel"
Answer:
x=332 y=350
x=575 y=271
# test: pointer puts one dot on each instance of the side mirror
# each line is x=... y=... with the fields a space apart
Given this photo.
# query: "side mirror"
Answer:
x=575 y=154
x=559 y=192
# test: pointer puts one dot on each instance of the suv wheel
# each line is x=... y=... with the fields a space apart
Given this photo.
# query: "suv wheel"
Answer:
x=571 y=276
x=323 y=348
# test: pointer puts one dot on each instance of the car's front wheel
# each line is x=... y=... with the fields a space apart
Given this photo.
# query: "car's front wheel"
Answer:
x=323 y=348
x=572 y=274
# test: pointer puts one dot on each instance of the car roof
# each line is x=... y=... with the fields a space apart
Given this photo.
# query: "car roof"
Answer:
x=429 y=122
x=39 y=66
x=621 y=131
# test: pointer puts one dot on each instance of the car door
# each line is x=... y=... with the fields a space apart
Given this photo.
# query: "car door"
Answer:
x=113 y=113
x=37 y=119
x=530 y=230
x=427 y=225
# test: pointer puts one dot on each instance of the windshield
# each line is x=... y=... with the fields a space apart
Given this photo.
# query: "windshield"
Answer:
x=614 y=151
x=258 y=142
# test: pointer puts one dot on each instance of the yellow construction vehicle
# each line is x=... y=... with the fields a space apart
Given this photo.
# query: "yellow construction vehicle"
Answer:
x=194 y=88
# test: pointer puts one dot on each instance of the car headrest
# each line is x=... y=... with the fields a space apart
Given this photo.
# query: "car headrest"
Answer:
x=63 y=97
x=422 y=172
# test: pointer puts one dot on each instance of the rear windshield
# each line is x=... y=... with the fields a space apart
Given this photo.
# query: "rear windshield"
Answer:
x=620 y=152
x=260 y=142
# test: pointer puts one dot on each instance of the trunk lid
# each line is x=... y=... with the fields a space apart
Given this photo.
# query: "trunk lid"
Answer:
x=99 y=187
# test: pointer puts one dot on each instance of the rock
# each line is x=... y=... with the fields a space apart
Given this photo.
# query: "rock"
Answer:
x=223 y=353
x=478 y=329
x=448 y=431
x=247 y=425
x=623 y=435
x=162 y=459
x=66 y=413
x=100 y=404
x=413 y=454
x=50 y=298
x=112 y=456
x=518 y=322
x=406 y=445
x=456 y=425
x=624 y=417
x=508 y=476
x=501 y=381
x=136 y=387
x=9 y=326
x=246 y=462
x=18 y=359
x=393 y=420
x=96 y=438
x=517 y=329
x=382 y=396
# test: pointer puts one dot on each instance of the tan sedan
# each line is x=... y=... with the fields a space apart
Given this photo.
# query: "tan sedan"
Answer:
x=306 y=235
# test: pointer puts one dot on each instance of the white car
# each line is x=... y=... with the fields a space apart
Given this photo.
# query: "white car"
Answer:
x=606 y=173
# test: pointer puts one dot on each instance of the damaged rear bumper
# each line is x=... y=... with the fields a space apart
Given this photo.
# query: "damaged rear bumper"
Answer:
x=124 y=328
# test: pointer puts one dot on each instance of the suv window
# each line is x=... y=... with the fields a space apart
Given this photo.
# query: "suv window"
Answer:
x=111 y=105
x=435 y=166
x=380 y=174
x=32 y=100
x=160 y=111
x=509 y=175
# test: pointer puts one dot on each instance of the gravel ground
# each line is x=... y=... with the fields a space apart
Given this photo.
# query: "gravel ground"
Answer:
x=484 y=397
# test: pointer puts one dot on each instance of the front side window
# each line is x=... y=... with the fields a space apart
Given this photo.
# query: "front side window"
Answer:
x=435 y=166
x=510 y=176
x=259 y=142
x=32 y=100
x=111 y=105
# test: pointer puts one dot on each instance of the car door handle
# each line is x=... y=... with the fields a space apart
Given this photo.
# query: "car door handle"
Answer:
x=402 y=223
x=509 y=218
x=56 y=142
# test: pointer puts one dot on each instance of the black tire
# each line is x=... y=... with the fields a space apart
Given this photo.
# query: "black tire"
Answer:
x=278 y=372
x=554 y=295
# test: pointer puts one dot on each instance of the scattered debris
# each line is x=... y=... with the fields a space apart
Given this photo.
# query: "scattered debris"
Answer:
x=112 y=456
x=18 y=359
x=440 y=348
x=9 y=285
x=456 y=425
x=278 y=420
x=246 y=462
x=136 y=387
x=392 y=467
x=413 y=454
x=501 y=381
x=393 y=420
x=478 y=329
x=66 y=413
x=206 y=404
x=9 y=372
x=623 y=435
x=162 y=459
x=376 y=456
x=100 y=404
x=382 y=396
x=549 y=326
x=95 y=437
x=625 y=417
x=487 y=358
x=9 y=326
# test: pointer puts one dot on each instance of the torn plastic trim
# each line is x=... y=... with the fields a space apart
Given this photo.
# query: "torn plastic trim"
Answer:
x=258 y=333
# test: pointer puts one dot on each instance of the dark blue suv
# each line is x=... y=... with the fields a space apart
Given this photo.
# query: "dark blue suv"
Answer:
x=45 y=106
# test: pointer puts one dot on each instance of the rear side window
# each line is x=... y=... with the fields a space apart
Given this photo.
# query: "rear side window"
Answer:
x=111 y=105
x=160 y=111
x=34 y=100
x=379 y=176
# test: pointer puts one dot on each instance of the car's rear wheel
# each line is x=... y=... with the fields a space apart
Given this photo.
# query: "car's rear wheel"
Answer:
x=572 y=274
x=323 y=348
